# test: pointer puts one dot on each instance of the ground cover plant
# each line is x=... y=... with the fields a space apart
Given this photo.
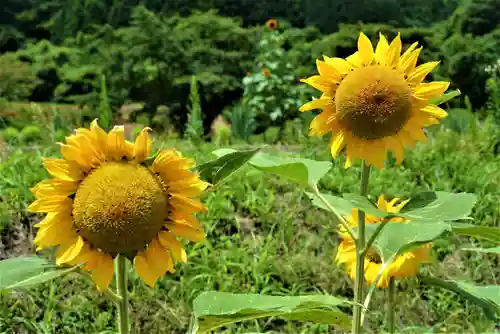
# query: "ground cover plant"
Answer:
x=184 y=195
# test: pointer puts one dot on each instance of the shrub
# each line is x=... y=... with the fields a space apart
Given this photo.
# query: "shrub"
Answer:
x=17 y=78
x=31 y=133
x=10 y=134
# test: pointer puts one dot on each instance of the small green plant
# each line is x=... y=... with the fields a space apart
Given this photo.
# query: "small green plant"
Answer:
x=194 y=126
x=31 y=133
x=243 y=122
x=10 y=134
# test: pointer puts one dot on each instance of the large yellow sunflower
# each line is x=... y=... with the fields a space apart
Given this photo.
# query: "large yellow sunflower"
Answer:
x=104 y=200
x=374 y=101
x=405 y=265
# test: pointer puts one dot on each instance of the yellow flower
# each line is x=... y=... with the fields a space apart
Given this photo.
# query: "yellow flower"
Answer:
x=374 y=101
x=404 y=265
x=105 y=200
x=272 y=24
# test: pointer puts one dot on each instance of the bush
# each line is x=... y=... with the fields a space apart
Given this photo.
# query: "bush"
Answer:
x=10 y=134
x=31 y=133
x=17 y=78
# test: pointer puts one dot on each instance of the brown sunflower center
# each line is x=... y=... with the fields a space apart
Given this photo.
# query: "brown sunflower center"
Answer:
x=120 y=207
x=373 y=256
x=373 y=102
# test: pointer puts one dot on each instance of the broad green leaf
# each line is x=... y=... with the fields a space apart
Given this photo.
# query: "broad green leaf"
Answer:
x=482 y=232
x=16 y=270
x=495 y=250
x=303 y=171
x=487 y=297
x=445 y=97
x=397 y=238
x=47 y=275
x=343 y=206
x=216 y=171
x=213 y=309
x=439 y=206
x=364 y=204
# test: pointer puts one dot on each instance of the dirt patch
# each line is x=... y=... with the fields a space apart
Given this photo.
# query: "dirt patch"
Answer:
x=18 y=240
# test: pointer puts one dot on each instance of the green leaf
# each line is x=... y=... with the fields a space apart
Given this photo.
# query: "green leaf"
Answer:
x=303 y=171
x=494 y=250
x=213 y=309
x=343 y=206
x=16 y=270
x=486 y=297
x=106 y=114
x=491 y=234
x=47 y=275
x=439 y=206
x=216 y=171
x=397 y=238
x=445 y=97
x=364 y=204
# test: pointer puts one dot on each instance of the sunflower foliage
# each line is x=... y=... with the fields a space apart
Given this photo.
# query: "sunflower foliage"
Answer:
x=271 y=90
x=194 y=125
x=384 y=241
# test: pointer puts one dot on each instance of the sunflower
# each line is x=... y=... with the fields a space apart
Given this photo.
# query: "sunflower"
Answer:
x=105 y=200
x=267 y=72
x=405 y=265
x=272 y=24
x=374 y=101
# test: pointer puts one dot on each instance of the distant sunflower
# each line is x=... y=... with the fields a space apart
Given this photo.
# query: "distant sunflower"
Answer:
x=104 y=200
x=405 y=265
x=267 y=72
x=374 y=101
x=272 y=24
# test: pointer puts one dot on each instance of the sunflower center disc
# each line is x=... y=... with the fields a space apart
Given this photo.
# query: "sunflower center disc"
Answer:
x=120 y=207
x=373 y=102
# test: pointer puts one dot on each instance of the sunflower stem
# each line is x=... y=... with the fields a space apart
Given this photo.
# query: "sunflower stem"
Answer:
x=360 y=259
x=390 y=305
x=122 y=291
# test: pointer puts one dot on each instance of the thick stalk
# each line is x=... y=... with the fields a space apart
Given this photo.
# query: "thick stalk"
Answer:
x=360 y=259
x=121 y=290
x=390 y=306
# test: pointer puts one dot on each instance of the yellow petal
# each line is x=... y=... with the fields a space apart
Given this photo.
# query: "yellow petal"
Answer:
x=55 y=187
x=322 y=84
x=434 y=111
x=159 y=260
x=190 y=187
x=419 y=73
x=338 y=143
x=316 y=104
x=394 y=144
x=100 y=135
x=185 y=204
x=116 y=143
x=394 y=51
x=341 y=65
x=381 y=204
x=67 y=252
x=102 y=271
x=328 y=72
x=355 y=60
x=169 y=241
x=51 y=204
x=365 y=49
x=376 y=153
x=409 y=58
x=381 y=50
x=185 y=219
x=142 y=147
x=63 y=169
x=55 y=229
x=143 y=270
x=323 y=123
x=430 y=90
x=75 y=154
x=185 y=231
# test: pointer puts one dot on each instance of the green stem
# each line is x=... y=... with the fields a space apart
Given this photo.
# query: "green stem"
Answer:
x=360 y=259
x=121 y=287
x=390 y=305
x=374 y=236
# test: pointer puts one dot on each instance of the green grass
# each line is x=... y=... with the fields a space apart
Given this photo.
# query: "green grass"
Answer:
x=263 y=236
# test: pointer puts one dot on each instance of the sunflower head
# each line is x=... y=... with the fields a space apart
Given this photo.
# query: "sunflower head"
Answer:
x=105 y=200
x=405 y=265
x=374 y=101
x=272 y=24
